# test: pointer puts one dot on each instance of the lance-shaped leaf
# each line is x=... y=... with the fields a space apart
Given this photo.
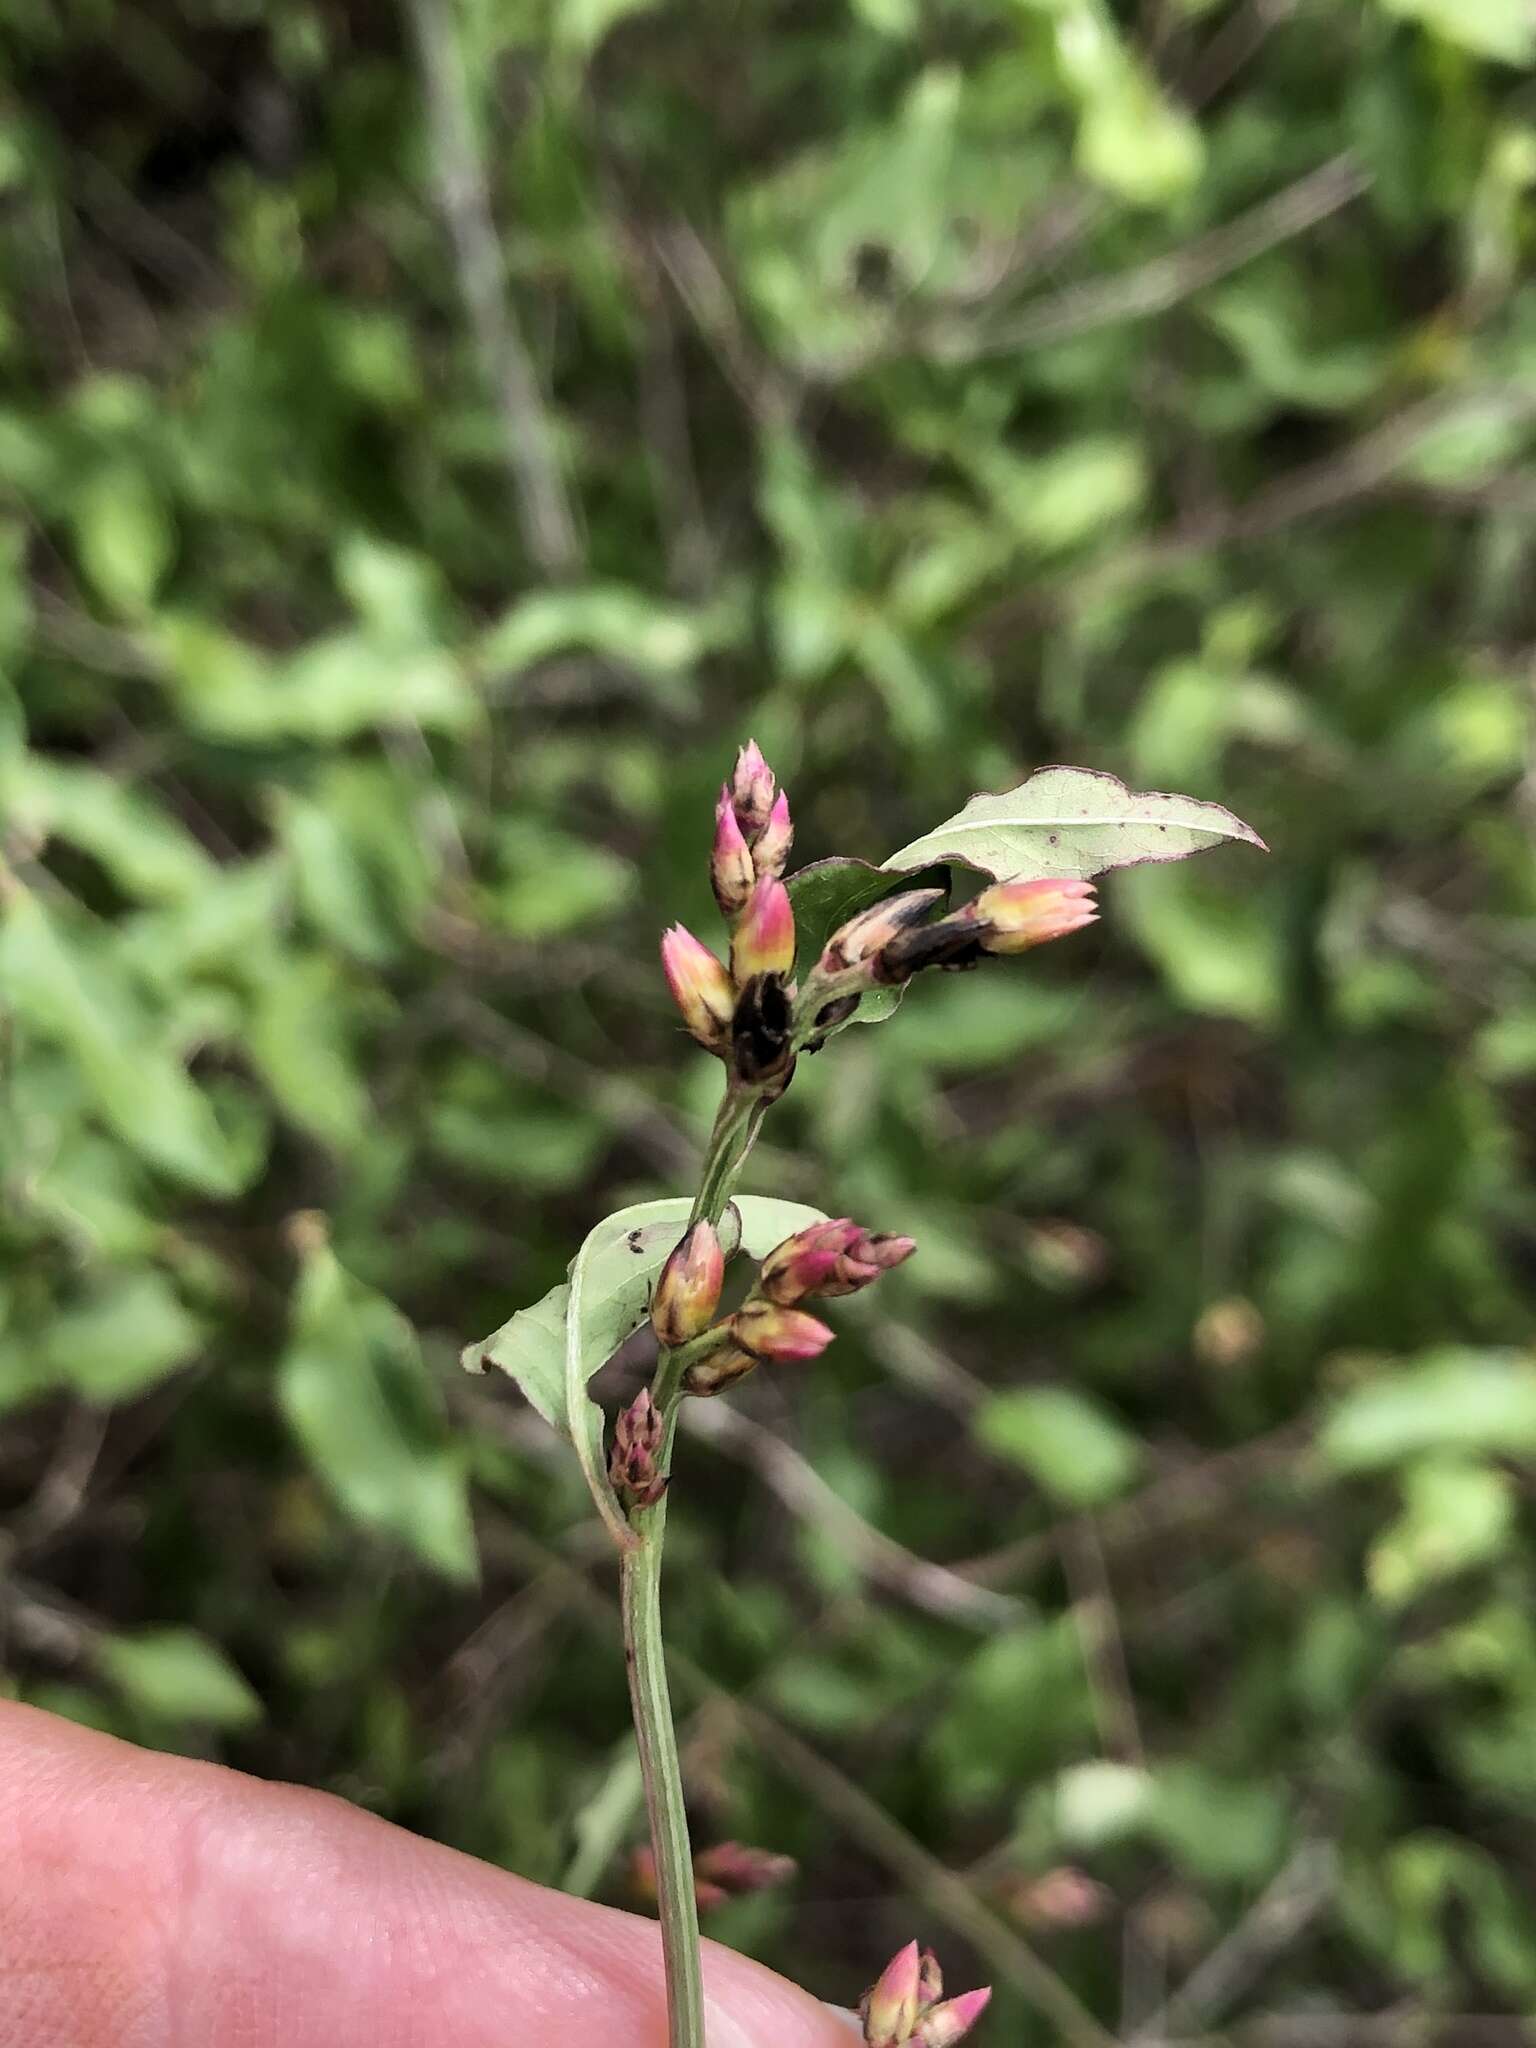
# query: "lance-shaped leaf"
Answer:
x=1072 y=822
x=554 y=1348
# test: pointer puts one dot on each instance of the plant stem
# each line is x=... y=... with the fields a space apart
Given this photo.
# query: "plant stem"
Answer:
x=640 y=1577
x=729 y=1142
x=661 y=1773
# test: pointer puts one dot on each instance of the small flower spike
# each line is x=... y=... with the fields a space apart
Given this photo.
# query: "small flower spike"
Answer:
x=1019 y=915
x=700 y=987
x=731 y=870
x=764 y=939
x=688 y=1292
x=634 y=1465
x=788 y=1334
x=904 y=2007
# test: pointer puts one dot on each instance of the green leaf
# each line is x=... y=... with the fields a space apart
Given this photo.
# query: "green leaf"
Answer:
x=1503 y=29
x=147 y=852
x=1450 y=1400
x=129 y=1333
x=175 y=1674
x=1072 y=821
x=295 y=1037
x=530 y=1348
x=1222 y=1829
x=1072 y=1446
x=124 y=535
x=356 y=1393
x=69 y=991
x=1456 y=1514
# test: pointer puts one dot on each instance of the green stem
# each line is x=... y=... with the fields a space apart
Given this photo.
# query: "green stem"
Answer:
x=640 y=1574
x=729 y=1142
x=661 y=1773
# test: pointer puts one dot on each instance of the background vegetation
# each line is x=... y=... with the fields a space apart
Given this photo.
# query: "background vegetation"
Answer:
x=430 y=442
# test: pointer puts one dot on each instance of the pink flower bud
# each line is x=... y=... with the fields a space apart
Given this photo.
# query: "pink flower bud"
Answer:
x=770 y=855
x=863 y=936
x=768 y=1331
x=731 y=871
x=871 y=1254
x=752 y=791
x=764 y=939
x=804 y=1263
x=688 y=1292
x=890 y=2007
x=700 y=987
x=943 y=2025
x=634 y=1464
x=1019 y=915
x=833 y=1258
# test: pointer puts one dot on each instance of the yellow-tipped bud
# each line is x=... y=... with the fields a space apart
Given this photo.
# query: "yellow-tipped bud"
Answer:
x=764 y=940
x=890 y=2007
x=1018 y=915
x=770 y=852
x=700 y=987
x=731 y=870
x=688 y=1292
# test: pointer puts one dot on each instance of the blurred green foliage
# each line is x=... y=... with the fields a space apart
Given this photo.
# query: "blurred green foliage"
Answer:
x=934 y=391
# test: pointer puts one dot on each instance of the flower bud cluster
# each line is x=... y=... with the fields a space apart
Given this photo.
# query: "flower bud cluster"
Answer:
x=832 y=1258
x=753 y=832
x=634 y=1463
x=742 y=1012
x=907 y=2005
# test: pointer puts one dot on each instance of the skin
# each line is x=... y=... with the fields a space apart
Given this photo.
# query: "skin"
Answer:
x=149 y=1902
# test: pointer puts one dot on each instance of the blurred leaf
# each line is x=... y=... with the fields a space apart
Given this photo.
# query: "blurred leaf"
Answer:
x=556 y=882
x=294 y=1035
x=71 y=994
x=1067 y=1442
x=1220 y=1828
x=124 y=535
x=129 y=1333
x=1502 y=29
x=1101 y=1802
x=1448 y=1400
x=144 y=849
x=352 y=1384
x=176 y=1675
x=1455 y=1514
